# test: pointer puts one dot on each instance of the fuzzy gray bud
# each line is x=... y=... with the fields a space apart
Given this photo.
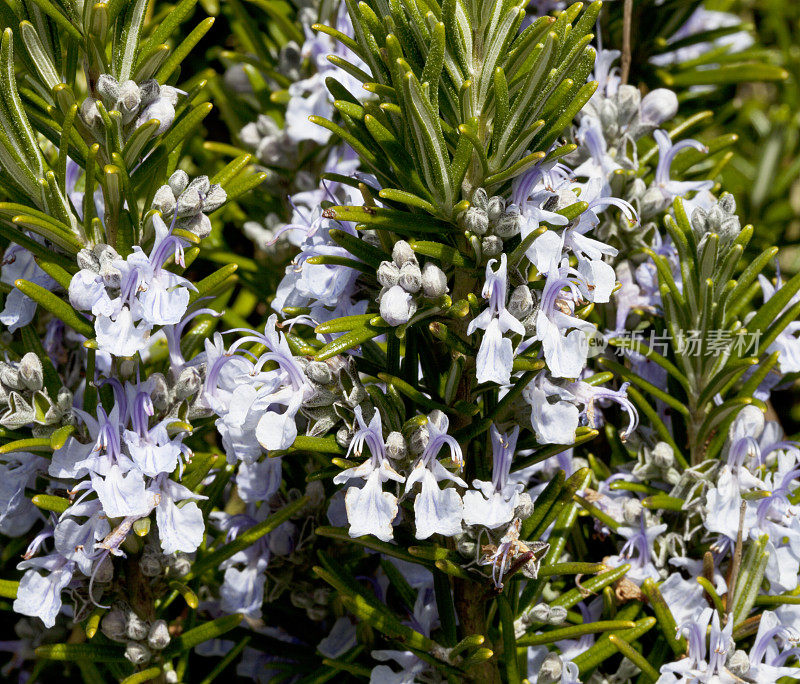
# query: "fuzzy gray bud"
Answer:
x=558 y=614
x=150 y=565
x=30 y=372
x=395 y=446
x=539 y=613
x=434 y=281
x=739 y=663
x=137 y=653
x=410 y=277
x=508 y=226
x=188 y=383
x=388 y=274
x=178 y=182
x=495 y=208
x=492 y=246
x=550 y=670
x=180 y=566
x=631 y=510
x=419 y=440
x=397 y=306
x=480 y=199
x=658 y=106
x=164 y=200
x=136 y=628
x=663 y=455
x=105 y=573
x=158 y=639
x=521 y=302
x=628 y=99
x=113 y=624
x=87 y=260
x=402 y=253
x=476 y=221
x=319 y=372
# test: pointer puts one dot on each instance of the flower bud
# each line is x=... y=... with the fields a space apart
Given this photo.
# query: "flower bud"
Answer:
x=158 y=639
x=520 y=304
x=388 y=274
x=188 y=384
x=395 y=446
x=108 y=89
x=189 y=203
x=495 y=208
x=480 y=199
x=214 y=198
x=317 y=613
x=149 y=91
x=738 y=663
x=105 y=573
x=658 y=106
x=113 y=624
x=87 y=260
x=30 y=372
x=129 y=100
x=492 y=246
x=180 y=565
x=150 y=565
x=628 y=99
x=476 y=221
x=319 y=372
x=550 y=670
x=136 y=628
x=539 y=613
x=178 y=182
x=397 y=306
x=508 y=226
x=164 y=200
x=410 y=277
x=419 y=440
x=663 y=456
x=434 y=281
x=402 y=253
x=138 y=654
x=558 y=614
x=631 y=510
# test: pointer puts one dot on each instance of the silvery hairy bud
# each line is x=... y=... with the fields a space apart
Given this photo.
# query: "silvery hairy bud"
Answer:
x=129 y=100
x=149 y=91
x=178 y=181
x=652 y=202
x=344 y=435
x=495 y=208
x=30 y=372
x=180 y=565
x=397 y=306
x=508 y=226
x=137 y=653
x=90 y=113
x=419 y=440
x=434 y=281
x=402 y=253
x=410 y=277
x=188 y=384
x=319 y=372
x=388 y=274
x=738 y=663
x=105 y=573
x=113 y=624
x=476 y=221
x=658 y=106
x=480 y=199
x=550 y=670
x=631 y=510
x=189 y=203
x=663 y=455
x=108 y=89
x=558 y=614
x=521 y=302
x=136 y=628
x=492 y=246
x=539 y=613
x=628 y=100
x=158 y=639
x=150 y=565
x=164 y=200
x=87 y=260
x=395 y=446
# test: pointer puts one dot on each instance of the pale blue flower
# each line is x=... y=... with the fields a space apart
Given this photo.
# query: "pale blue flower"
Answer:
x=496 y=354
